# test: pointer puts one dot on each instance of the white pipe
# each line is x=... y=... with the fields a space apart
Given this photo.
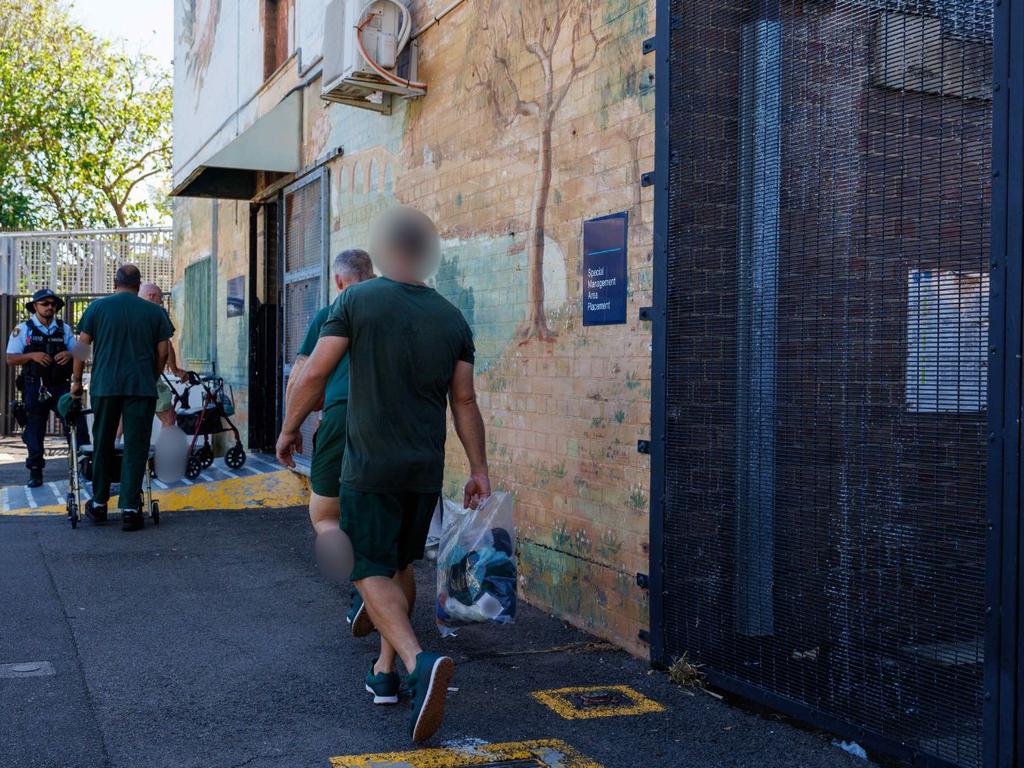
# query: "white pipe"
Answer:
x=448 y=9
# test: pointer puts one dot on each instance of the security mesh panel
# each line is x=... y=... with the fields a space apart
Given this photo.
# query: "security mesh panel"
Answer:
x=303 y=302
x=303 y=227
x=827 y=319
x=305 y=264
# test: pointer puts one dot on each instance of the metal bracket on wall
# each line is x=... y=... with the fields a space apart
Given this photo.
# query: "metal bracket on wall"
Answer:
x=642 y=581
x=646 y=313
x=647 y=179
x=644 y=636
x=643 y=446
x=650 y=45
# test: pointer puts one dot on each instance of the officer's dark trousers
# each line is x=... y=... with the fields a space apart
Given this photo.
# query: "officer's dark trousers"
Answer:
x=137 y=413
x=37 y=414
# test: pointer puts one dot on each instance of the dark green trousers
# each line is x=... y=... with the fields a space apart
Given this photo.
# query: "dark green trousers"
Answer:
x=137 y=413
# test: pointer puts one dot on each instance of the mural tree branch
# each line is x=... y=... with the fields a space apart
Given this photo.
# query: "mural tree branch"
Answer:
x=537 y=31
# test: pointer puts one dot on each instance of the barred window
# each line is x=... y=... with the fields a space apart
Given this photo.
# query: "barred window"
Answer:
x=195 y=335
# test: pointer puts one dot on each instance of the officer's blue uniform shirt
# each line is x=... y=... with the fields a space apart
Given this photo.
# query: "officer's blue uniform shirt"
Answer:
x=16 y=343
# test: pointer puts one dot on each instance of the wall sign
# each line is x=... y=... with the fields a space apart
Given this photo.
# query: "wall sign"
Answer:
x=604 y=270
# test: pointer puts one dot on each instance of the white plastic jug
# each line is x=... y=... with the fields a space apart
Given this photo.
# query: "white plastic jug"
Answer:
x=171 y=454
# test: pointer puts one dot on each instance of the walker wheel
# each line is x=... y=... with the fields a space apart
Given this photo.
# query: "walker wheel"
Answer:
x=195 y=466
x=205 y=455
x=154 y=512
x=235 y=457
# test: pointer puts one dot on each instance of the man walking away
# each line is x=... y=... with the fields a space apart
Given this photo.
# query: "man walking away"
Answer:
x=130 y=340
x=42 y=346
x=350 y=267
x=411 y=352
x=164 y=400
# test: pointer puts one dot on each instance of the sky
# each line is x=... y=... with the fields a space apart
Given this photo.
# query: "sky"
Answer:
x=142 y=25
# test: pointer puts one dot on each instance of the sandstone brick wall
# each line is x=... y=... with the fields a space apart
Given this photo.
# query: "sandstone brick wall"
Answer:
x=563 y=414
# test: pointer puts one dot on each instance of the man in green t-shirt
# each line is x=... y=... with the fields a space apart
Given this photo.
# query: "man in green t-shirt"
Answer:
x=129 y=339
x=350 y=267
x=410 y=354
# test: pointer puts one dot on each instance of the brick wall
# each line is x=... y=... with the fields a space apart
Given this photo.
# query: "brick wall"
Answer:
x=564 y=413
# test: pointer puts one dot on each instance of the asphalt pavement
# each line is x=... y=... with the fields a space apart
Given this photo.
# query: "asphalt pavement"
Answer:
x=212 y=641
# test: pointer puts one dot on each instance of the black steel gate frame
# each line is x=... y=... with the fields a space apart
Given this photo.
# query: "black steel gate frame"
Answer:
x=1003 y=713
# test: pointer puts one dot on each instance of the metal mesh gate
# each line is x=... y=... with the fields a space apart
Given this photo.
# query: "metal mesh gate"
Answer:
x=826 y=329
x=304 y=287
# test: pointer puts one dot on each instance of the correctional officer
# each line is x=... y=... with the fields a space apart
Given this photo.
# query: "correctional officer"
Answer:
x=42 y=345
x=129 y=340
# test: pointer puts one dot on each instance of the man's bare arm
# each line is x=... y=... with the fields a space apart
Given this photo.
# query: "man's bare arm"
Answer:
x=307 y=392
x=469 y=425
x=172 y=361
x=297 y=366
x=81 y=352
x=25 y=357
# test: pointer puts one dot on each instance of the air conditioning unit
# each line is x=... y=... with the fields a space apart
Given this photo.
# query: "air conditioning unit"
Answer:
x=368 y=56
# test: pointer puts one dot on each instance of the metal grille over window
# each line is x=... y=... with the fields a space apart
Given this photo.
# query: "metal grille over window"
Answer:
x=305 y=264
x=195 y=335
x=827 y=323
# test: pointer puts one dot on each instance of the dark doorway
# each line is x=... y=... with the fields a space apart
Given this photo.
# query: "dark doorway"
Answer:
x=265 y=313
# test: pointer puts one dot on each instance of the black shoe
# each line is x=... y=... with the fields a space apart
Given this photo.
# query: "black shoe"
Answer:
x=96 y=512
x=132 y=520
x=35 y=479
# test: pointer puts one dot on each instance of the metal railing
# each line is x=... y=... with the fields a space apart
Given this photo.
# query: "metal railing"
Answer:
x=82 y=261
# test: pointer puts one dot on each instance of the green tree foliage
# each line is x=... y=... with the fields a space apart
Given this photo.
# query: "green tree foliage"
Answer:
x=82 y=124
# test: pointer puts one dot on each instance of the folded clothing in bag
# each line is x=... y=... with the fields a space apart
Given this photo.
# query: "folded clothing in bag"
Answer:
x=476 y=566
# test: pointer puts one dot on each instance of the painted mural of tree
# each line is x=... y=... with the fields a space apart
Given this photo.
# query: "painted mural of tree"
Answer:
x=537 y=30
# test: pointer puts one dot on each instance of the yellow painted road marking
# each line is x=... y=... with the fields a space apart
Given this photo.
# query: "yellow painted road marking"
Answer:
x=558 y=700
x=547 y=752
x=282 y=488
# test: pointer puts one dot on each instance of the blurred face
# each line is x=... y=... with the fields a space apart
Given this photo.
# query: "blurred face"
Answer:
x=46 y=308
x=405 y=245
x=151 y=293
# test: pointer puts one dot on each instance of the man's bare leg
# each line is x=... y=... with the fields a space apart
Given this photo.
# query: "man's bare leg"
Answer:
x=407 y=581
x=324 y=512
x=388 y=605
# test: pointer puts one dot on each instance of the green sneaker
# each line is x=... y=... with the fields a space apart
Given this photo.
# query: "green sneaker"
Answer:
x=384 y=686
x=428 y=685
x=358 y=616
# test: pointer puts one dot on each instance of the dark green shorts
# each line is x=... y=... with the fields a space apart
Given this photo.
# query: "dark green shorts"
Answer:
x=328 y=450
x=388 y=530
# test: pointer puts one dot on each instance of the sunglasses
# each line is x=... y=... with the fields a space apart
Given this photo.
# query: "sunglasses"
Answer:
x=47 y=303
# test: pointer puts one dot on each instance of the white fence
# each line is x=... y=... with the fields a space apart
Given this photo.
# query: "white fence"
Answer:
x=83 y=261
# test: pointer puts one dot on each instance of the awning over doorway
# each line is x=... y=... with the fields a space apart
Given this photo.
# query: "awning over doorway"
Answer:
x=269 y=145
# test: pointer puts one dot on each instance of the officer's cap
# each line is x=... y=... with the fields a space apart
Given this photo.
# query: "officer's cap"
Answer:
x=44 y=293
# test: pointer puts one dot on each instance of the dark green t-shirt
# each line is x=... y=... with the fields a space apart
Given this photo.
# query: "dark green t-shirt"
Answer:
x=337 y=385
x=125 y=331
x=404 y=342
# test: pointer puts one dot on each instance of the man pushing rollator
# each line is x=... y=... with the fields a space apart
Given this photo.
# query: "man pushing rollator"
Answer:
x=411 y=353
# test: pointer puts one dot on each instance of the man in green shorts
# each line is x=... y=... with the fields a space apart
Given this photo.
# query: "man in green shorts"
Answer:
x=350 y=267
x=129 y=340
x=411 y=353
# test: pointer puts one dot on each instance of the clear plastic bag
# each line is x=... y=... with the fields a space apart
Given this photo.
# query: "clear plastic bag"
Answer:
x=476 y=565
x=434 y=533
